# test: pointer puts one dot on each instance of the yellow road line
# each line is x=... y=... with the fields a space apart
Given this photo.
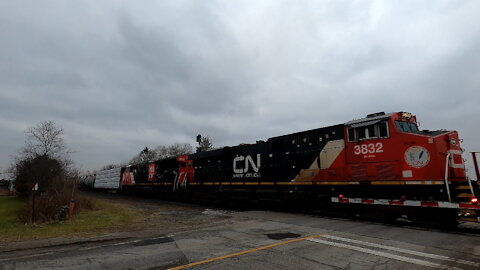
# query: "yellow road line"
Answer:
x=245 y=252
x=336 y=183
x=294 y=183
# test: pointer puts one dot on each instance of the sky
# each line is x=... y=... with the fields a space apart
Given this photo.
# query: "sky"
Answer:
x=121 y=75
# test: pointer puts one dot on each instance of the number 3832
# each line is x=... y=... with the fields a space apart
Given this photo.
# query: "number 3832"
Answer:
x=371 y=148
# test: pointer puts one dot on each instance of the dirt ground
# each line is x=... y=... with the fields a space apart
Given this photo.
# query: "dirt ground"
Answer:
x=157 y=218
x=162 y=217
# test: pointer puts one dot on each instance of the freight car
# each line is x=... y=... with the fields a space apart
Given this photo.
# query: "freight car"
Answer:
x=107 y=179
x=382 y=161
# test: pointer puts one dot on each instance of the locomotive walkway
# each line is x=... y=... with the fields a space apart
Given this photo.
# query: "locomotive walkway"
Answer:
x=264 y=240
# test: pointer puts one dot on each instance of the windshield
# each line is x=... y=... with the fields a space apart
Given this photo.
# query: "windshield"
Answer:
x=406 y=127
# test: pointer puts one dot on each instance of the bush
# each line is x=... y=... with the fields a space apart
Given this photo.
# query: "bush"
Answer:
x=54 y=190
x=48 y=206
x=45 y=171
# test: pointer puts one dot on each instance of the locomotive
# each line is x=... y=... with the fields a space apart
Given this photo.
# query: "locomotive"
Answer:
x=382 y=161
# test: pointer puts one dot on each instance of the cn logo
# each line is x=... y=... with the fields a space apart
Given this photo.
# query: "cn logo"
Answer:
x=242 y=164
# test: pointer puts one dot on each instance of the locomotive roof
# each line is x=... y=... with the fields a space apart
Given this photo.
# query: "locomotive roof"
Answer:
x=372 y=119
x=322 y=129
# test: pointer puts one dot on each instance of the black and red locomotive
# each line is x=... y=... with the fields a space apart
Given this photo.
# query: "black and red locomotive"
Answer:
x=382 y=160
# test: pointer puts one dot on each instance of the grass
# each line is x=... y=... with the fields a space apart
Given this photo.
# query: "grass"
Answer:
x=106 y=217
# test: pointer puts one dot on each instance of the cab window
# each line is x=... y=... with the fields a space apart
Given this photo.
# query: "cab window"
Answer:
x=377 y=130
x=406 y=127
x=383 y=129
x=351 y=134
x=371 y=130
x=362 y=133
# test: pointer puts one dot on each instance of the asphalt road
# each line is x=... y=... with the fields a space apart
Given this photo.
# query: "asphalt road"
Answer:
x=265 y=240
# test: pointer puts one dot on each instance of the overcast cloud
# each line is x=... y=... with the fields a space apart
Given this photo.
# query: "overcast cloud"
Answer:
x=122 y=75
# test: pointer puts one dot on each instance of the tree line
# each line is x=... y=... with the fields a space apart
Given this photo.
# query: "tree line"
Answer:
x=160 y=152
x=43 y=168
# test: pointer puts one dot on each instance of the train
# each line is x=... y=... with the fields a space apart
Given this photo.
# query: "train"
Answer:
x=382 y=163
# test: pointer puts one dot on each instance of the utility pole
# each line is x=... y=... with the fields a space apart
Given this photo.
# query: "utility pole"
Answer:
x=34 y=190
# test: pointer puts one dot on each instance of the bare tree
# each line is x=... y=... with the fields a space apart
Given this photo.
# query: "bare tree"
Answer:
x=204 y=144
x=45 y=139
x=162 y=151
x=178 y=149
x=174 y=150
x=146 y=155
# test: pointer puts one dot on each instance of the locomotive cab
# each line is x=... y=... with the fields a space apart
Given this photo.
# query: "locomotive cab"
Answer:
x=369 y=151
x=385 y=147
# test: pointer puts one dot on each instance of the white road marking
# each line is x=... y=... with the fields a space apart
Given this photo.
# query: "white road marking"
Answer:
x=416 y=253
x=127 y=242
x=123 y=243
x=88 y=248
x=384 y=254
x=111 y=245
x=161 y=237
x=28 y=256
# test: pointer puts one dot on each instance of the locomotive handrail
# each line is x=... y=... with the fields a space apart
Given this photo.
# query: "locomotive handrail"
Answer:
x=475 y=164
x=471 y=187
x=446 y=177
